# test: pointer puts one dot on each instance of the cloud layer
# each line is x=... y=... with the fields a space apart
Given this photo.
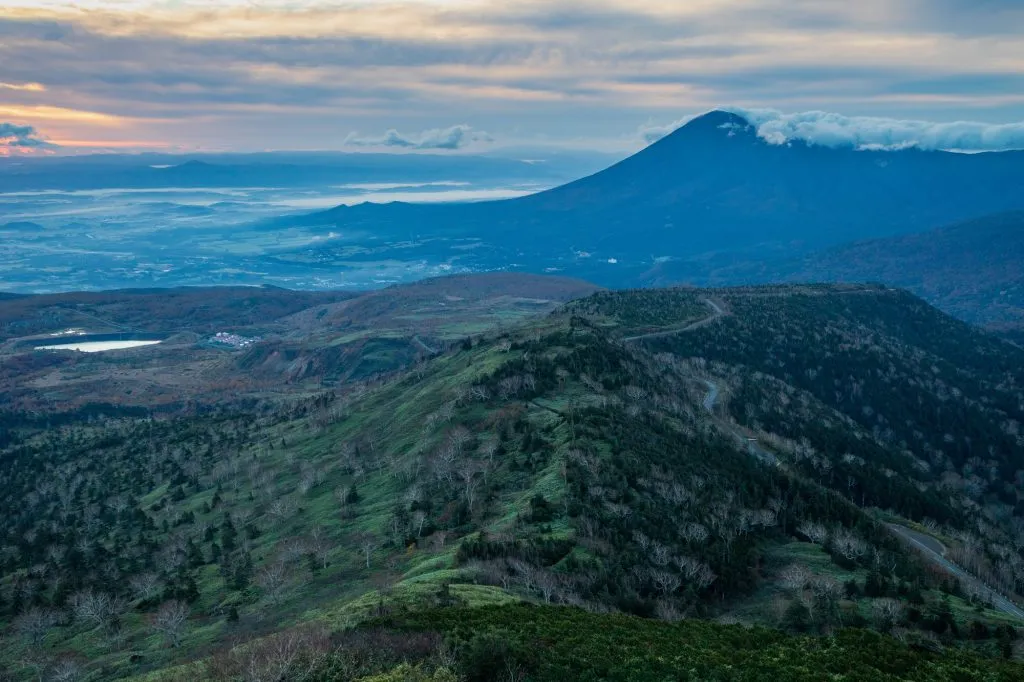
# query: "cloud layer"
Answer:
x=455 y=137
x=21 y=136
x=223 y=74
x=870 y=132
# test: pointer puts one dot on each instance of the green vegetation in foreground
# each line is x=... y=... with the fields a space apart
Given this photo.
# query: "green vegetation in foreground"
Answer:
x=557 y=644
x=532 y=643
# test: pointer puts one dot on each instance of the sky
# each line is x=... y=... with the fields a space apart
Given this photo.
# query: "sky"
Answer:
x=471 y=75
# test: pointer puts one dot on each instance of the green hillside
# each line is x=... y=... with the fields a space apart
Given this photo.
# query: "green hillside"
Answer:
x=568 y=460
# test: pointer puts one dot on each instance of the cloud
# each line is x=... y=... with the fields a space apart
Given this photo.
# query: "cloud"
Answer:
x=25 y=137
x=222 y=73
x=26 y=87
x=869 y=132
x=455 y=137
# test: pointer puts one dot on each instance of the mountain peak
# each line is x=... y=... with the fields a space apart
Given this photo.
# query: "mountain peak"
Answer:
x=718 y=122
x=714 y=126
x=192 y=164
x=718 y=118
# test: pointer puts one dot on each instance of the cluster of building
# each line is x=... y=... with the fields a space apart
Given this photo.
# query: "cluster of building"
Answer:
x=233 y=340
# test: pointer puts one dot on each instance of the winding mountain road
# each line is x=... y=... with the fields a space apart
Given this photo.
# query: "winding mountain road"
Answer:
x=710 y=400
x=934 y=551
x=711 y=397
x=419 y=342
x=716 y=312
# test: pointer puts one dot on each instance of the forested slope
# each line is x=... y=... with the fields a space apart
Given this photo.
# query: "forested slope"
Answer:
x=552 y=463
x=879 y=396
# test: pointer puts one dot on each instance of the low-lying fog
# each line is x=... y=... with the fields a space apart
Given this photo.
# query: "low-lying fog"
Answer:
x=53 y=240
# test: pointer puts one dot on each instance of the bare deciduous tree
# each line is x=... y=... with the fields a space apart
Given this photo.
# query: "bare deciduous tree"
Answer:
x=695 y=571
x=546 y=583
x=419 y=517
x=97 y=609
x=291 y=550
x=144 y=585
x=282 y=508
x=666 y=582
x=509 y=387
x=825 y=593
x=467 y=471
x=794 y=577
x=694 y=532
x=369 y=543
x=459 y=437
x=635 y=393
x=292 y=655
x=274 y=579
x=848 y=544
x=488 y=449
x=66 y=670
x=815 y=532
x=659 y=554
x=36 y=623
x=170 y=621
x=886 y=613
x=320 y=545
x=668 y=611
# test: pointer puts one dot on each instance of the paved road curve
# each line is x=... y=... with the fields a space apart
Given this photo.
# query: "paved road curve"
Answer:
x=419 y=342
x=933 y=550
x=716 y=312
x=712 y=396
x=710 y=399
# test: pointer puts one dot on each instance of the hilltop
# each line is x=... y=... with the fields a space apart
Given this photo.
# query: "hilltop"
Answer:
x=595 y=457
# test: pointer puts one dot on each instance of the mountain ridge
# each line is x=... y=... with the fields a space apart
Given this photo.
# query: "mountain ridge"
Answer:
x=970 y=269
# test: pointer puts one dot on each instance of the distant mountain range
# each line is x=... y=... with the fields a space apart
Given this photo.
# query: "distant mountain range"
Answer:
x=287 y=169
x=715 y=203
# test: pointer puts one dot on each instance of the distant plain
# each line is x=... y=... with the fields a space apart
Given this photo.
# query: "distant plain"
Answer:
x=55 y=240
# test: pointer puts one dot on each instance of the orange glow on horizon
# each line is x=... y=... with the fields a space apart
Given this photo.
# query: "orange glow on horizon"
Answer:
x=120 y=144
x=41 y=112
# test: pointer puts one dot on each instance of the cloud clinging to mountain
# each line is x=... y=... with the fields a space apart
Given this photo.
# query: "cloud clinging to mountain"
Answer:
x=829 y=129
x=871 y=132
